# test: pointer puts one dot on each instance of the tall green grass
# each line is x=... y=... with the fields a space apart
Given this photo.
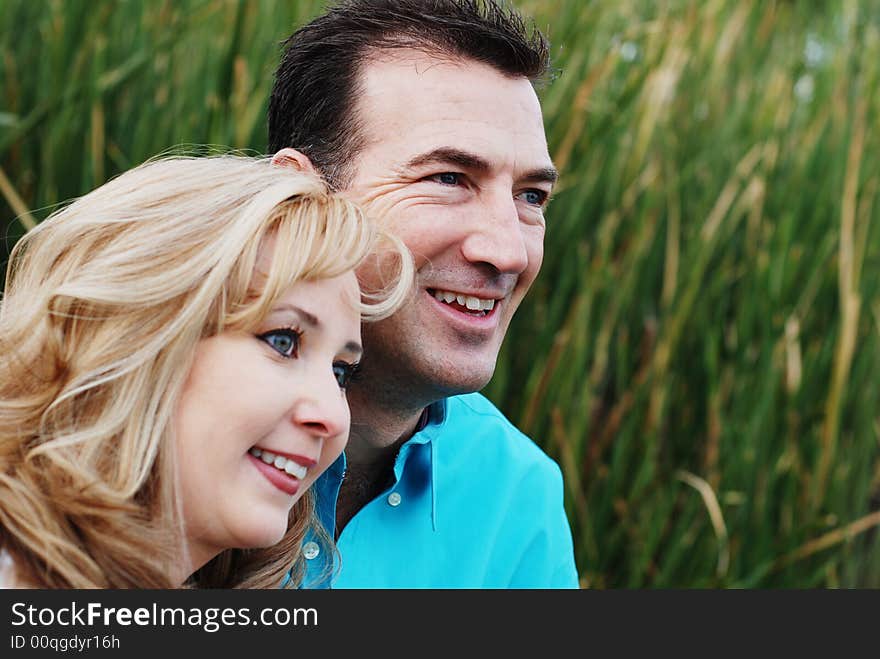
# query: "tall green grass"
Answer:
x=700 y=351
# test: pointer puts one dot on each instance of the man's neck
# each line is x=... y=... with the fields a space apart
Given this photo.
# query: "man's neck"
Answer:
x=376 y=437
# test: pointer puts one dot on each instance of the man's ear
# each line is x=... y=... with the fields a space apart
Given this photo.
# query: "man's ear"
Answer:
x=288 y=157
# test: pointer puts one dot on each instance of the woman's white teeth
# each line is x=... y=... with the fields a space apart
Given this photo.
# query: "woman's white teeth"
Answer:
x=280 y=462
x=469 y=301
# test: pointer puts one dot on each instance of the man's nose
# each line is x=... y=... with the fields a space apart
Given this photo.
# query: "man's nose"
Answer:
x=497 y=236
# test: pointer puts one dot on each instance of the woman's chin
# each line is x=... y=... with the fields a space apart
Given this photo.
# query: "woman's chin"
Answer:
x=265 y=535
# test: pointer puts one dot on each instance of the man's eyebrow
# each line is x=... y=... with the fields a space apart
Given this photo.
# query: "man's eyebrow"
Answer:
x=541 y=175
x=450 y=155
x=471 y=161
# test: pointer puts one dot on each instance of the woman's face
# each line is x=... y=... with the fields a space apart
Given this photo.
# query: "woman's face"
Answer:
x=263 y=414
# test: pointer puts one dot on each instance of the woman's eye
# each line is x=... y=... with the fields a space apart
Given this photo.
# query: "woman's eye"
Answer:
x=344 y=372
x=284 y=341
x=447 y=178
x=533 y=197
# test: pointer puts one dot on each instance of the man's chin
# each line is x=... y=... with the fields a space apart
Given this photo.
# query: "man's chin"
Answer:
x=452 y=382
x=412 y=373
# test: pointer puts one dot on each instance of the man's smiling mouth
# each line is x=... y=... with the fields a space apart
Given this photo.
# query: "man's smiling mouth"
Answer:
x=464 y=303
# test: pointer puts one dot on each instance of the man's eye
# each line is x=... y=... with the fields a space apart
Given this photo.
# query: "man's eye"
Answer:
x=344 y=372
x=534 y=197
x=284 y=341
x=447 y=178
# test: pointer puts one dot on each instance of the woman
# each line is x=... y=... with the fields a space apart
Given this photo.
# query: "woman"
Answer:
x=174 y=352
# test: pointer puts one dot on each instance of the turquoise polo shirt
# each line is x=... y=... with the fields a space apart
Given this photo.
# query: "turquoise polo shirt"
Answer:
x=474 y=504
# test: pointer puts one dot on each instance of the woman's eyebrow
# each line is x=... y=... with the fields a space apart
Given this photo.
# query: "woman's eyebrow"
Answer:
x=311 y=320
x=307 y=317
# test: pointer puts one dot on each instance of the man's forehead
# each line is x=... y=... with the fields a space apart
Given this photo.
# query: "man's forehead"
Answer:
x=412 y=66
x=410 y=96
x=417 y=56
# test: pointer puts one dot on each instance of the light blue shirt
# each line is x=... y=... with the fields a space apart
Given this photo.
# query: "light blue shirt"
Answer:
x=474 y=504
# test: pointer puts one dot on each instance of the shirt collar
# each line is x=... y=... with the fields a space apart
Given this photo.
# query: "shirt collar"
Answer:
x=428 y=429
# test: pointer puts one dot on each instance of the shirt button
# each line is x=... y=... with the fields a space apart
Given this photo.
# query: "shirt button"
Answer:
x=394 y=499
x=311 y=550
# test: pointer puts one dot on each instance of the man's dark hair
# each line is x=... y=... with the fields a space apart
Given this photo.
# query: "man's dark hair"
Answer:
x=314 y=98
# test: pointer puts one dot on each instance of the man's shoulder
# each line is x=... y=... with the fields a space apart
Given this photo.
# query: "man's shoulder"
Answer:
x=475 y=417
x=475 y=408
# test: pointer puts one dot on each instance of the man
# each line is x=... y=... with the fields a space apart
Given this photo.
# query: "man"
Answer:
x=425 y=113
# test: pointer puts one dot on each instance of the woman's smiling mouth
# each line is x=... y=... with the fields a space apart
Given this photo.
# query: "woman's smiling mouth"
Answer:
x=284 y=472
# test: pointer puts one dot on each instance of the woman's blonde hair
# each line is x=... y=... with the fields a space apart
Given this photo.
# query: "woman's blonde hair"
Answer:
x=105 y=303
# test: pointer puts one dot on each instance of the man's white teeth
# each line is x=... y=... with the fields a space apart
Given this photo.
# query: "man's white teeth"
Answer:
x=280 y=462
x=469 y=301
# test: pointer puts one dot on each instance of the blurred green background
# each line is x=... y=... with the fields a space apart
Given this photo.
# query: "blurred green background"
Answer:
x=698 y=351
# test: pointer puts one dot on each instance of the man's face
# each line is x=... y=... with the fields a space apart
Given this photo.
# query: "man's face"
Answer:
x=456 y=164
